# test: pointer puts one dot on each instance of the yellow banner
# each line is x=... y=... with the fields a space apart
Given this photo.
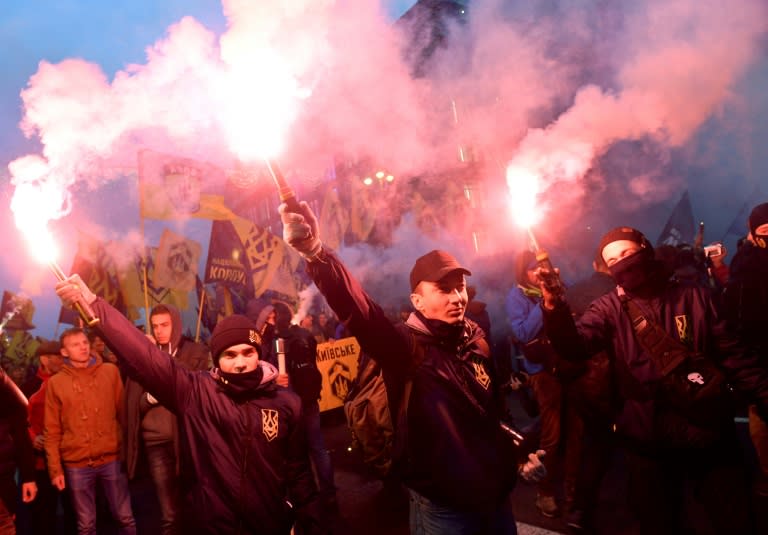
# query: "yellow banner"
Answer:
x=173 y=187
x=176 y=262
x=337 y=362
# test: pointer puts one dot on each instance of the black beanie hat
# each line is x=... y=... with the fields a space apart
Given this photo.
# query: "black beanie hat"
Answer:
x=622 y=233
x=231 y=331
x=758 y=217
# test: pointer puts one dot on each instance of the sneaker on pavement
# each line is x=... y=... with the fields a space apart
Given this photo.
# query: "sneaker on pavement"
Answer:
x=547 y=506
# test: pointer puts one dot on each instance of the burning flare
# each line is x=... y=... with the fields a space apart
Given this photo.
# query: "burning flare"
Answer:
x=524 y=189
x=36 y=201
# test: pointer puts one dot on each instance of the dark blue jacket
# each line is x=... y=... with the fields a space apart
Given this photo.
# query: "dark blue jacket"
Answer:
x=684 y=311
x=455 y=453
x=526 y=322
x=746 y=298
x=243 y=463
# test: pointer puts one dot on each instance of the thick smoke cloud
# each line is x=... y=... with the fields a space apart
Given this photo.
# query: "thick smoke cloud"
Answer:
x=603 y=100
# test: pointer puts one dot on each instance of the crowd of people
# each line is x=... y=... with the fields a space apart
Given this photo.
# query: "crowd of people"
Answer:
x=649 y=358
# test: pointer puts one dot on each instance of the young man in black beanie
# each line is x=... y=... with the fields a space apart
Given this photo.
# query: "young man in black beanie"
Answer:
x=451 y=449
x=244 y=452
x=668 y=444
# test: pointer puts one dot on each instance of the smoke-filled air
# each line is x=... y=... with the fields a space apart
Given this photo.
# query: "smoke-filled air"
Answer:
x=571 y=117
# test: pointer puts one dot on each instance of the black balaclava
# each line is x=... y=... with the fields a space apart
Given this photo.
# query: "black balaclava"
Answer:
x=636 y=273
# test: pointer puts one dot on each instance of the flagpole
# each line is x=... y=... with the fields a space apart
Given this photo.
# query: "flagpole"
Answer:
x=229 y=308
x=143 y=245
x=200 y=314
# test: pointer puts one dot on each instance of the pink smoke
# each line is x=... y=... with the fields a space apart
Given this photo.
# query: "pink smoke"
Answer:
x=552 y=91
x=684 y=58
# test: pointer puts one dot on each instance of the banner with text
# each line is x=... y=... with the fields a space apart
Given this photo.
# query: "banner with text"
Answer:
x=337 y=362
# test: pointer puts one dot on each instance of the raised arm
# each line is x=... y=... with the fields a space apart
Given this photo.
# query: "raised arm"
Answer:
x=355 y=308
x=170 y=383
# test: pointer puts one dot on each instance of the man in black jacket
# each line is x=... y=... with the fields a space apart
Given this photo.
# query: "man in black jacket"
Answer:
x=666 y=444
x=152 y=429
x=746 y=305
x=303 y=377
x=243 y=445
x=454 y=457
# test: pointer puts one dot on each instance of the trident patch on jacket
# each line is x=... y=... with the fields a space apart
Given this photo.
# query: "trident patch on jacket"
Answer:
x=683 y=328
x=269 y=424
x=481 y=375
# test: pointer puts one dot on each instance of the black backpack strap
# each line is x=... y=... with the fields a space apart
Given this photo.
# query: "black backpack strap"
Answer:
x=666 y=352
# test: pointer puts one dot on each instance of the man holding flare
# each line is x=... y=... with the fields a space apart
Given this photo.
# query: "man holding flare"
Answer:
x=672 y=417
x=452 y=449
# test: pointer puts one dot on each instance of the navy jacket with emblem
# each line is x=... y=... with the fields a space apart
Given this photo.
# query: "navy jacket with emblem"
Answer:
x=688 y=313
x=245 y=464
x=455 y=453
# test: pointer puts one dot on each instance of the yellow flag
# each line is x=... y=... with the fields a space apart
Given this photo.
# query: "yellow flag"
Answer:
x=263 y=251
x=362 y=215
x=177 y=188
x=176 y=263
x=334 y=218
x=132 y=287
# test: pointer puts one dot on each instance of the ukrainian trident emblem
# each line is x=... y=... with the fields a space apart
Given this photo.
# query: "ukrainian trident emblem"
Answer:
x=481 y=375
x=269 y=424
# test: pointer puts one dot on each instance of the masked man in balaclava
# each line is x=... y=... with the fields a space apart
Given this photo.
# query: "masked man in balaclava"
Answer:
x=668 y=440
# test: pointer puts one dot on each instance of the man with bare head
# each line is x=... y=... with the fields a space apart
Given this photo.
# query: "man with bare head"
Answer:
x=82 y=434
x=151 y=430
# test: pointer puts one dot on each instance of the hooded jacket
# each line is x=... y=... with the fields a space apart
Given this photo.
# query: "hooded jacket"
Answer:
x=686 y=312
x=82 y=410
x=245 y=460
x=188 y=354
x=452 y=448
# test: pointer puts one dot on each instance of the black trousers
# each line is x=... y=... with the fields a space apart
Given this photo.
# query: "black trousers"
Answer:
x=716 y=477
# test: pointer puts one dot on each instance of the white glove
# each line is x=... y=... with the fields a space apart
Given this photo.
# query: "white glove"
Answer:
x=533 y=470
x=300 y=231
x=73 y=290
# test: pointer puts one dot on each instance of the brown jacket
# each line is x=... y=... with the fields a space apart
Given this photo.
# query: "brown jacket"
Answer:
x=82 y=407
